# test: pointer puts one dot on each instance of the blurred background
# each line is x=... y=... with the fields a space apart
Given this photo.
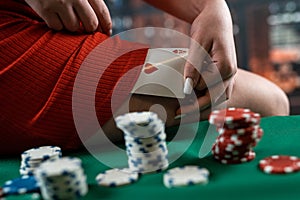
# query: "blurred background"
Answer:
x=267 y=35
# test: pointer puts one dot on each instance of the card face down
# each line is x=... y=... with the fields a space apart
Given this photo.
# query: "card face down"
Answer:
x=162 y=73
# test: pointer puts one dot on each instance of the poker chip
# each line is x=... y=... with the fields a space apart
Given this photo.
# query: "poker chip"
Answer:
x=62 y=178
x=185 y=176
x=145 y=141
x=239 y=132
x=234 y=118
x=117 y=177
x=280 y=164
x=140 y=124
x=22 y=185
x=238 y=159
x=32 y=158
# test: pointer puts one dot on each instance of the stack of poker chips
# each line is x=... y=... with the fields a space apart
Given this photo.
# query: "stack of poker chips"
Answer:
x=62 y=179
x=239 y=132
x=32 y=158
x=145 y=141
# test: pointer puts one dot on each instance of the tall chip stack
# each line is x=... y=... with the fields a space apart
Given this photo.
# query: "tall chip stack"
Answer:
x=145 y=141
x=239 y=132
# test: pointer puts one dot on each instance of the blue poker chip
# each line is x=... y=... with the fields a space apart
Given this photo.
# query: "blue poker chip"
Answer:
x=22 y=185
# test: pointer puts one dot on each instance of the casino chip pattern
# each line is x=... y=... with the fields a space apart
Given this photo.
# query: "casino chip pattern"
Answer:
x=22 y=185
x=32 y=158
x=280 y=164
x=117 y=177
x=145 y=141
x=46 y=174
x=62 y=178
x=185 y=176
x=239 y=132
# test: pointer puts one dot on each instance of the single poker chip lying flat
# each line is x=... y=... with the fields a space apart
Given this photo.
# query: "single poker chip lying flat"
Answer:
x=117 y=177
x=280 y=164
x=22 y=185
x=184 y=176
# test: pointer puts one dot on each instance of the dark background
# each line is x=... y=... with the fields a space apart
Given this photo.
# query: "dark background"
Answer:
x=267 y=34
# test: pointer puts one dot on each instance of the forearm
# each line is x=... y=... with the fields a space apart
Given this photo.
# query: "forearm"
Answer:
x=186 y=10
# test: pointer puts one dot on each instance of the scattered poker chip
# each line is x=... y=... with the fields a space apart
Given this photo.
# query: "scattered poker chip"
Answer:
x=280 y=164
x=185 y=176
x=117 y=177
x=22 y=185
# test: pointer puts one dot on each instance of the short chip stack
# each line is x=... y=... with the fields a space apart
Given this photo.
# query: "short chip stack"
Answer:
x=145 y=141
x=32 y=158
x=239 y=132
x=62 y=179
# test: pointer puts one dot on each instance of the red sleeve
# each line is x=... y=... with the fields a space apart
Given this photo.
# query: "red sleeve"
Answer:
x=38 y=68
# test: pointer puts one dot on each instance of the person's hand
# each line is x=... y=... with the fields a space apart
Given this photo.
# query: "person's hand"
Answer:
x=73 y=15
x=211 y=29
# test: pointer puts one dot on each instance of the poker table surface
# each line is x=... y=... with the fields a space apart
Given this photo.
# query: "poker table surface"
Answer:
x=239 y=181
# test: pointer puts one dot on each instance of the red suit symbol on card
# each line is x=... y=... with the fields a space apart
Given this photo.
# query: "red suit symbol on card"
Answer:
x=179 y=51
x=149 y=68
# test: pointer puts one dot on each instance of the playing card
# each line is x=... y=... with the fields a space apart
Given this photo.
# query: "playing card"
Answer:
x=162 y=73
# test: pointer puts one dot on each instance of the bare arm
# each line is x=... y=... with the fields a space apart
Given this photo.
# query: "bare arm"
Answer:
x=186 y=11
x=212 y=30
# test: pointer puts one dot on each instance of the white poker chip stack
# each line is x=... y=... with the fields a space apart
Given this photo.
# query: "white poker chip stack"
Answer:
x=62 y=179
x=145 y=141
x=32 y=158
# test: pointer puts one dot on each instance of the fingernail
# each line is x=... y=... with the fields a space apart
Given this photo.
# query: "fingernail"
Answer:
x=188 y=86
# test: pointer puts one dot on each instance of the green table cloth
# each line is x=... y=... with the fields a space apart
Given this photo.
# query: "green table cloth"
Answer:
x=234 y=182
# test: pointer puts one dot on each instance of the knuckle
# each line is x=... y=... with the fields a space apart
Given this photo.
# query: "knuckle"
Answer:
x=109 y=25
x=228 y=69
x=78 y=2
x=91 y=25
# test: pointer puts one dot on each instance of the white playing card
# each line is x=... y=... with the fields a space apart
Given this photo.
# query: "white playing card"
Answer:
x=162 y=73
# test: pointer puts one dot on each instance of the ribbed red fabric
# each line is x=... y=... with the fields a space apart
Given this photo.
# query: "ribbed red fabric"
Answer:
x=38 y=67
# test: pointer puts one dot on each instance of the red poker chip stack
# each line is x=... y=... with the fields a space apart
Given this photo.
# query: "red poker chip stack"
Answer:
x=239 y=132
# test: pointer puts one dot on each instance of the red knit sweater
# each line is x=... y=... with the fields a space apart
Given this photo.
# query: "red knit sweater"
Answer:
x=38 y=67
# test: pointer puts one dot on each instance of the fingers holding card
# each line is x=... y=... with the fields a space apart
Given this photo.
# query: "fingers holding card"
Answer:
x=162 y=73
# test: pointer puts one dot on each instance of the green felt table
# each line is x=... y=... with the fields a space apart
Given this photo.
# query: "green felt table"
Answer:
x=241 y=181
